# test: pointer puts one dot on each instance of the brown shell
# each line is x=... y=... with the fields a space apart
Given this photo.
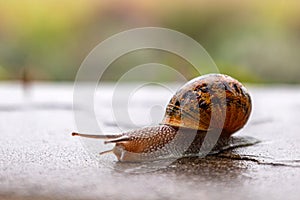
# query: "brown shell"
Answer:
x=213 y=101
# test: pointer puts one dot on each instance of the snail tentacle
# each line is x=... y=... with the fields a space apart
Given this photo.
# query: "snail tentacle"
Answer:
x=104 y=137
x=105 y=152
x=120 y=139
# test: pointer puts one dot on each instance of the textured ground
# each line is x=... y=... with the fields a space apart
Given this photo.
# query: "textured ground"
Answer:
x=40 y=160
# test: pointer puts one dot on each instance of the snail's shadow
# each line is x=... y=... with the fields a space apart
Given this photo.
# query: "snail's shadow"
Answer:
x=206 y=170
x=213 y=166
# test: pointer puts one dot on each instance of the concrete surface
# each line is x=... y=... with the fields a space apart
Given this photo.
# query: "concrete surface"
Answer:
x=40 y=160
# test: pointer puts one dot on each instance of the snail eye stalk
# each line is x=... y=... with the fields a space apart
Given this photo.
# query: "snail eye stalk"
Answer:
x=104 y=137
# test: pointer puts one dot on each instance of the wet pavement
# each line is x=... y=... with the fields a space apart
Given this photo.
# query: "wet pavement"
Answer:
x=40 y=160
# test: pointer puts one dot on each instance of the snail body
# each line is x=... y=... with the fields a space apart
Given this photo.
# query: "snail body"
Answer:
x=210 y=104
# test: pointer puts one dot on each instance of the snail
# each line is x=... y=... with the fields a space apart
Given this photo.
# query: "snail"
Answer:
x=208 y=104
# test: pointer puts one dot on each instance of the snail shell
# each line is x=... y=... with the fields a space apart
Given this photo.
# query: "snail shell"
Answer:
x=209 y=103
x=193 y=104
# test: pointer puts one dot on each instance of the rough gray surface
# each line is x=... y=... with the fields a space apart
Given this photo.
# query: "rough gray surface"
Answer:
x=40 y=160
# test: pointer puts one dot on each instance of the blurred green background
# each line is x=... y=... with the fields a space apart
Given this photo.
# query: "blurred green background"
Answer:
x=254 y=41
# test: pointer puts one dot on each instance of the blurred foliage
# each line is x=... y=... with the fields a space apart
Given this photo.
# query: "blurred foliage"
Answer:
x=254 y=41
